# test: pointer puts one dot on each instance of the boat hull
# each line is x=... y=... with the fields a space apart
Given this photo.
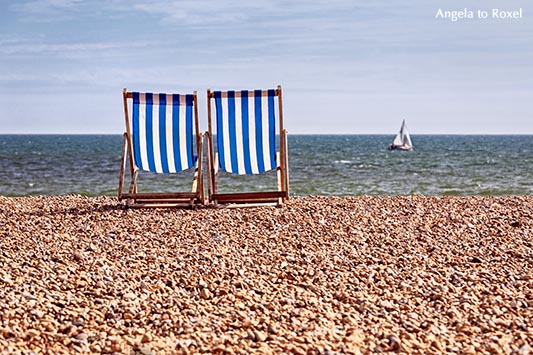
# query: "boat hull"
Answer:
x=399 y=147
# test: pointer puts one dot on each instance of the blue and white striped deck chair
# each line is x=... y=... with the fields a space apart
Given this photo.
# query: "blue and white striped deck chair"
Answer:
x=248 y=125
x=159 y=138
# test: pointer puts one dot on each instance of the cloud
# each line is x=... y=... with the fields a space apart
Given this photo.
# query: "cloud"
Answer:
x=206 y=13
x=48 y=10
x=213 y=13
x=61 y=49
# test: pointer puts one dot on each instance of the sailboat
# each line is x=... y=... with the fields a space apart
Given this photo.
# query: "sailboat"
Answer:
x=402 y=141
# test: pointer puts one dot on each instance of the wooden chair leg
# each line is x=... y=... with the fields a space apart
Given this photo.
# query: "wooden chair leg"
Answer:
x=194 y=187
x=278 y=172
x=200 y=150
x=215 y=175
x=133 y=184
x=211 y=180
x=122 y=167
x=285 y=163
x=208 y=164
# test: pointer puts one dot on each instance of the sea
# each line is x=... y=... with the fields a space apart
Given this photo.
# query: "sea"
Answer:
x=331 y=165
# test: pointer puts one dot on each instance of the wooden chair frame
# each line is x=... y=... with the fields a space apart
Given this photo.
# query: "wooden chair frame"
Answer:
x=249 y=199
x=136 y=199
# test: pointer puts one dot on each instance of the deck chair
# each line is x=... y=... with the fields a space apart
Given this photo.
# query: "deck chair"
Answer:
x=159 y=138
x=246 y=144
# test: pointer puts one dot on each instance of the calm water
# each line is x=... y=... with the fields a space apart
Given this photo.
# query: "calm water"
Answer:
x=319 y=165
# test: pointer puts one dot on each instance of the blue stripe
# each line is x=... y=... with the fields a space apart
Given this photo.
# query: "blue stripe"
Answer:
x=272 y=128
x=259 y=131
x=136 y=130
x=188 y=129
x=163 y=131
x=246 y=132
x=232 y=132
x=220 y=125
x=150 y=132
x=176 y=131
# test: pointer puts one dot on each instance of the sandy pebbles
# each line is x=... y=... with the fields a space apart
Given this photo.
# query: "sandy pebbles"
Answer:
x=421 y=275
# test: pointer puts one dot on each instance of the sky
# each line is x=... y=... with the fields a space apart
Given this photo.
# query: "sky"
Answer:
x=354 y=67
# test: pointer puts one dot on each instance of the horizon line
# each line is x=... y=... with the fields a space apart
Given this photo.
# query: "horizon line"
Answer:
x=289 y=133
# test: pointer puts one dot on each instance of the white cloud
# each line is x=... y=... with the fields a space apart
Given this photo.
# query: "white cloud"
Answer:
x=211 y=13
x=60 y=49
x=48 y=10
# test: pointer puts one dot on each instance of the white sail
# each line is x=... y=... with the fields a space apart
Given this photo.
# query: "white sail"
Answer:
x=407 y=140
x=398 y=140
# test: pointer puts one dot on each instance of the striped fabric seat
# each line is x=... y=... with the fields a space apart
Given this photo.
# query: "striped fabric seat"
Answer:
x=249 y=131
x=246 y=131
x=162 y=132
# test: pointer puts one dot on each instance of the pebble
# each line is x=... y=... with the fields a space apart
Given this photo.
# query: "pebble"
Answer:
x=524 y=350
x=205 y=293
x=146 y=338
x=82 y=337
x=320 y=275
x=259 y=336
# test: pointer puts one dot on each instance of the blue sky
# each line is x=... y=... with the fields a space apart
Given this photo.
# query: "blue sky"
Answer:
x=345 y=66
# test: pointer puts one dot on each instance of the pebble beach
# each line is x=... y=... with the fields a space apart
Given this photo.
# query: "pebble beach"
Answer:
x=320 y=275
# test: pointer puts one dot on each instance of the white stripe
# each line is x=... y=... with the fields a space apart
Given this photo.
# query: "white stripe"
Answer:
x=238 y=133
x=142 y=132
x=155 y=134
x=169 y=135
x=266 y=141
x=225 y=136
x=251 y=126
x=183 y=135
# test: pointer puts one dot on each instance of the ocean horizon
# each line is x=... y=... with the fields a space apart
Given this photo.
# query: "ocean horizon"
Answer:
x=319 y=164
